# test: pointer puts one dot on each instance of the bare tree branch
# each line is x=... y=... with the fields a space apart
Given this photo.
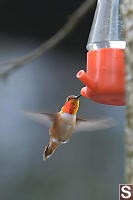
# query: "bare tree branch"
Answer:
x=127 y=12
x=54 y=40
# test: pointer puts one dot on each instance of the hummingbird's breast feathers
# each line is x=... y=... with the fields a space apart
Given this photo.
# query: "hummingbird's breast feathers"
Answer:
x=68 y=117
x=63 y=126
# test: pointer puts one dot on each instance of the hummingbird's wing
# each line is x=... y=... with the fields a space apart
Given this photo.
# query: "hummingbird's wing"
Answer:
x=91 y=125
x=43 y=118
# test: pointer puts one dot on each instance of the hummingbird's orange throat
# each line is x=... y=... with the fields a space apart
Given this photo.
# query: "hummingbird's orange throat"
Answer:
x=70 y=106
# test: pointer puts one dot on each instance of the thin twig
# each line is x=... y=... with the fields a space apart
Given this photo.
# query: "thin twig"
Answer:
x=54 y=40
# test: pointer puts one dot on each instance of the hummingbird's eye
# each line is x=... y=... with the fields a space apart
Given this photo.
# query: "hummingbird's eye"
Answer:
x=68 y=99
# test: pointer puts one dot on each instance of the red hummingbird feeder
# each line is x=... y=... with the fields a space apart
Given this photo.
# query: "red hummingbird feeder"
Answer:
x=105 y=75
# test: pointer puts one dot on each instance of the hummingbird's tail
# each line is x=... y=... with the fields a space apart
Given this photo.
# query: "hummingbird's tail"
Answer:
x=50 y=148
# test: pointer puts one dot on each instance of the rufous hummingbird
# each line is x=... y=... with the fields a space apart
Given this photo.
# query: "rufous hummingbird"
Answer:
x=64 y=123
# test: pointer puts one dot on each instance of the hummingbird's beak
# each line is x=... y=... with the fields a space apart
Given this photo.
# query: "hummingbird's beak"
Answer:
x=78 y=96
